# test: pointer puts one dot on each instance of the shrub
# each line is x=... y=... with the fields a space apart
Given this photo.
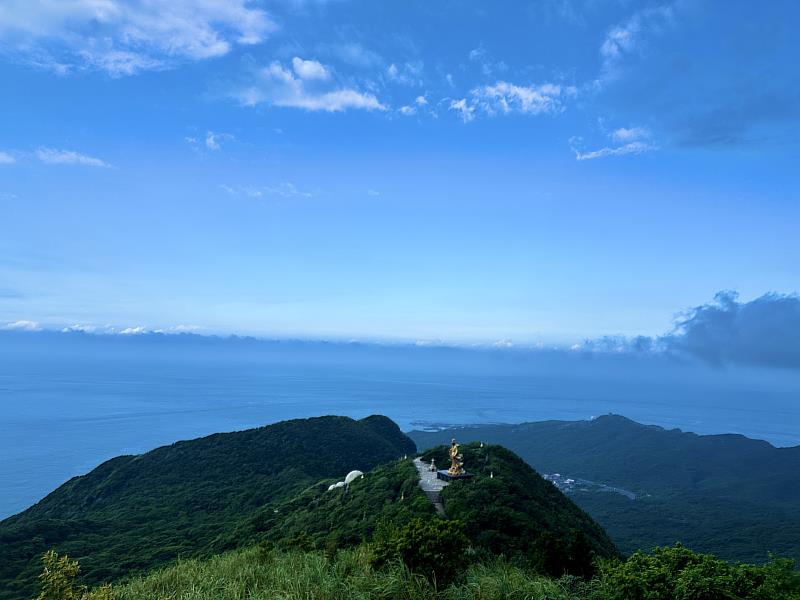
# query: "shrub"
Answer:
x=677 y=573
x=58 y=580
x=435 y=548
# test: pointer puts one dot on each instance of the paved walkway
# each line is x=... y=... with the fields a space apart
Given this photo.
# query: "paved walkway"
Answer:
x=431 y=485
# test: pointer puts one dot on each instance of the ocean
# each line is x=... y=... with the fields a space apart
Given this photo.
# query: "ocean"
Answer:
x=65 y=410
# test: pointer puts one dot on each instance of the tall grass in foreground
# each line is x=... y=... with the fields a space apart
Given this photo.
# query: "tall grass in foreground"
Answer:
x=255 y=574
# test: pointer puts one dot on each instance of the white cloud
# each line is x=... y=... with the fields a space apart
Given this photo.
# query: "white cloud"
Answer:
x=51 y=156
x=80 y=328
x=409 y=73
x=133 y=331
x=481 y=57
x=6 y=159
x=123 y=37
x=464 y=110
x=628 y=134
x=22 y=326
x=278 y=86
x=507 y=97
x=623 y=39
x=420 y=104
x=179 y=329
x=213 y=139
x=631 y=140
x=373 y=193
x=285 y=189
x=629 y=148
x=503 y=344
x=310 y=69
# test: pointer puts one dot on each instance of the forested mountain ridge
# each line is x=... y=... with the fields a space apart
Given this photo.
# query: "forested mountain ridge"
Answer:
x=271 y=485
x=726 y=494
x=135 y=512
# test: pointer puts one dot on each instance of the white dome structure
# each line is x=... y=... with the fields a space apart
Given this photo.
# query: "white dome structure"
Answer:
x=352 y=475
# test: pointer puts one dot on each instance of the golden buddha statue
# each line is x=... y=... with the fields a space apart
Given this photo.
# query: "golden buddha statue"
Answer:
x=456 y=460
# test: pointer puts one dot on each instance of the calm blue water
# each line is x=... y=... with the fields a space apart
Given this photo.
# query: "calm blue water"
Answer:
x=61 y=416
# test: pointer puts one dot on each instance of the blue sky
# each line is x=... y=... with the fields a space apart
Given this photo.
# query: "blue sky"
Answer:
x=459 y=171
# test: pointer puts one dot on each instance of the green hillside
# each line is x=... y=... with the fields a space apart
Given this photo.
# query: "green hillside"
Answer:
x=133 y=513
x=319 y=518
x=725 y=494
x=270 y=486
x=514 y=513
x=509 y=509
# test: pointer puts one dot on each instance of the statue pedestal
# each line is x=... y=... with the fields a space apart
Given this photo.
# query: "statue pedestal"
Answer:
x=445 y=476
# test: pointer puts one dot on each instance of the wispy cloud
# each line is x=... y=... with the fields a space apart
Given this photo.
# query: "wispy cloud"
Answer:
x=22 y=326
x=630 y=148
x=627 y=134
x=487 y=64
x=506 y=98
x=279 y=86
x=623 y=39
x=52 y=156
x=6 y=158
x=408 y=73
x=214 y=140
x=285 y=189
x=123 y=37
x=420 y=105
x=633 y=140
x=466 y=111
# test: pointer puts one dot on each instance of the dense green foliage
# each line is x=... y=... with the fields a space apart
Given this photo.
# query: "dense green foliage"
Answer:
x=680 y=574
x=318 y=518
x=725 y=494
x=435 y=548
x=509 y=509
x=136 y=512
x=258 y=574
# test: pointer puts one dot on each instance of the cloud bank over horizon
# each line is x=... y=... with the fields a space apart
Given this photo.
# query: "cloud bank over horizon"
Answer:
x=726 y=331
x=764 y=332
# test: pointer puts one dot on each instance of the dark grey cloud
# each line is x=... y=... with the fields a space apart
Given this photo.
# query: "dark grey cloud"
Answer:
x=764 y=331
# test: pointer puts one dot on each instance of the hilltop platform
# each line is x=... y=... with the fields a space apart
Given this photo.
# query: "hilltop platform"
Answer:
x=445 y=476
